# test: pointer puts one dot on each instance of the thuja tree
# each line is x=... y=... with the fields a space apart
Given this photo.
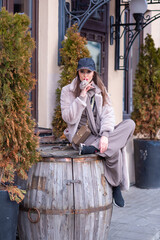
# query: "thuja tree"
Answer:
x=73 y=48
x=146 y=91
x=17 y=140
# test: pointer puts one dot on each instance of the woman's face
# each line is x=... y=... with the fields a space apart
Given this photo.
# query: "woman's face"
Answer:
x=85 y=74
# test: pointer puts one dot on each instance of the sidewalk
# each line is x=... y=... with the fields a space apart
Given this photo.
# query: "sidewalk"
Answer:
x=139 y=219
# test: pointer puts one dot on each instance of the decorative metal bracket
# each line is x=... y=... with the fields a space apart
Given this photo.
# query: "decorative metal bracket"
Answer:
x=81 y=16
x=129 y=31
x=68 y=17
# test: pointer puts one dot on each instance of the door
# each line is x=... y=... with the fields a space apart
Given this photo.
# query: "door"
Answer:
x=96 y=32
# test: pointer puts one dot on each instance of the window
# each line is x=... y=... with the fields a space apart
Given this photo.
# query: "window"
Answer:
x=0 y=4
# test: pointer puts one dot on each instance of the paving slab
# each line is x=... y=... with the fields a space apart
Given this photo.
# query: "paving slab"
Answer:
x=139 y=219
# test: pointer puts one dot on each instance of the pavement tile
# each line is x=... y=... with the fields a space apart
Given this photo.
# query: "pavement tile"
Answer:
x=139 y=219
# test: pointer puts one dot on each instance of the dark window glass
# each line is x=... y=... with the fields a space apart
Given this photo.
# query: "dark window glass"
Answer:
x=24 y=6
x=95 y=51
x=0 y=4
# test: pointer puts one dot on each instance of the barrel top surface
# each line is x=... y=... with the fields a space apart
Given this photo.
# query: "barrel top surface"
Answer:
x=62 y=152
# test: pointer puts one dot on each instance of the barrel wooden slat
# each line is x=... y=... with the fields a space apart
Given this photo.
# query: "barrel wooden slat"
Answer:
x=55 y=187
x=91 y=194
x=91 y=176
x=56 y=196
x=49 y=228
x=72 y=197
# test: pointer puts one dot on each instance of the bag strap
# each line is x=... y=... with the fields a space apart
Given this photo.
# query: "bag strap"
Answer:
x=92 y=102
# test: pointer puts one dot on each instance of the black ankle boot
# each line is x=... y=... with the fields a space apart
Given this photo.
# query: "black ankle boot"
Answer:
x=117 y=197
x=87 y=149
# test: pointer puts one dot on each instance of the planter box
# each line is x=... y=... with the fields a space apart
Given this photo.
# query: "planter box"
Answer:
x=147 y=163
x=8 y=217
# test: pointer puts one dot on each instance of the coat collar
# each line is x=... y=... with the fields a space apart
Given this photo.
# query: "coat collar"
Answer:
x=72 y=85
x=97 y=89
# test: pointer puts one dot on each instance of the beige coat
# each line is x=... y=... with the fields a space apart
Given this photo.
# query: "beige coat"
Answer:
x=72 y=109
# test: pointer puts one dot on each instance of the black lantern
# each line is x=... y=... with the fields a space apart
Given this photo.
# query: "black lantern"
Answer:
x=138 y=8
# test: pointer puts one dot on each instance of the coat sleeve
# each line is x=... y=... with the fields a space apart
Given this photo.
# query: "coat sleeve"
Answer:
x=107 y=119
x=71 y=107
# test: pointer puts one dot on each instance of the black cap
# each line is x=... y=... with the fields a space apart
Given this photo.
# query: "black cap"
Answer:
x=86 y=63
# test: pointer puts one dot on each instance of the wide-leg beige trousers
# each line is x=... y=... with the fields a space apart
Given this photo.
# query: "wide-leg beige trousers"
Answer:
x=116 y=169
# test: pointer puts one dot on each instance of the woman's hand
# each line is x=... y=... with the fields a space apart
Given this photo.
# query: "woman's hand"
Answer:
x=103 y=144
x=86 y=89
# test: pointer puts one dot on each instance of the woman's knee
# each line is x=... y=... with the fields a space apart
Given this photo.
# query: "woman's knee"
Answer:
x=131 y=124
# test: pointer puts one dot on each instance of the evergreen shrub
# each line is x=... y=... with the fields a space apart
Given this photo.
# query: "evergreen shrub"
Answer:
x=146 y=91
x=18 y=143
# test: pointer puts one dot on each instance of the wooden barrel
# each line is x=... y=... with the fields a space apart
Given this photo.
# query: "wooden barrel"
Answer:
x=68 y=198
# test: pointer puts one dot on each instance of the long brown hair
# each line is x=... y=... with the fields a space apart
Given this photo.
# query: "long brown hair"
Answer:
x=97 y=80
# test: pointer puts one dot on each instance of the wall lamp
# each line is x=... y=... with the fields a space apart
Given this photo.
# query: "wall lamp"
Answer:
x=137 y=8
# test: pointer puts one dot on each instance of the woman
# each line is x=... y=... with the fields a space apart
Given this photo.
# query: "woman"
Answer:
x=86 y=101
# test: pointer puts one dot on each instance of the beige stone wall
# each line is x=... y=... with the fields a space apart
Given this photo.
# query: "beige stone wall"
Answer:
x=48 y=70
x=115 y=78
